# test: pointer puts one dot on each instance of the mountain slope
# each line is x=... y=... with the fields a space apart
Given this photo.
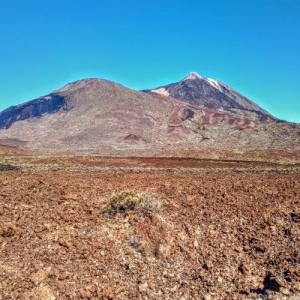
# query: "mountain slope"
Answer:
x=99 y=116
x=198 y=90
x=91 y=115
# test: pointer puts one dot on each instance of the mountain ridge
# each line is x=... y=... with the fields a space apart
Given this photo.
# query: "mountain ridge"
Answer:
x=100 y=116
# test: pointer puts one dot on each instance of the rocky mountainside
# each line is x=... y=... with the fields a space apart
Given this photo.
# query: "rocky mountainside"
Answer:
x=198 y=90
x=100 y=116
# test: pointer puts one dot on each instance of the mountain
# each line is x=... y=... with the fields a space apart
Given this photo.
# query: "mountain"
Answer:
x=103 y=117
x=90 y=115
x=198 y=90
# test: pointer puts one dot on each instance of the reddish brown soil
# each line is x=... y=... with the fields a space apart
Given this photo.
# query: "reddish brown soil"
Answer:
x=248 y=155
x=218 y=236
x=149 y=162
x=10 y=150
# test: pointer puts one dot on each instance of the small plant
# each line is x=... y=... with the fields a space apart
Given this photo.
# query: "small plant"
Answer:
x=149 y=204
x=129 y=200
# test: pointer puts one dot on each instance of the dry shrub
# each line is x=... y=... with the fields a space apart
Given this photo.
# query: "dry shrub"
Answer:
x=150 y=204
x=129 y=200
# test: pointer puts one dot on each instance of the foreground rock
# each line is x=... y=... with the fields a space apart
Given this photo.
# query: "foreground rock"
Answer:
x=216 y=236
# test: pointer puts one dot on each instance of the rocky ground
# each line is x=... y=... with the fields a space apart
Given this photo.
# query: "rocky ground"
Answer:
x=224 y=235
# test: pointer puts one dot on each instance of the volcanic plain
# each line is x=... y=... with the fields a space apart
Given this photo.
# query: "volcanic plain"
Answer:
x=211 y=229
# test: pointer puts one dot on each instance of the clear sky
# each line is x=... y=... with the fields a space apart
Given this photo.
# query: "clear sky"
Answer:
x=252 y=45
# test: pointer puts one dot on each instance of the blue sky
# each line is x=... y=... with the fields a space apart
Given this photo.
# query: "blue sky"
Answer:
x=252 y=45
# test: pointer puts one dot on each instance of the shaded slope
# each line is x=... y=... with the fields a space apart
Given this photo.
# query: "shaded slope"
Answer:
x=32 y=109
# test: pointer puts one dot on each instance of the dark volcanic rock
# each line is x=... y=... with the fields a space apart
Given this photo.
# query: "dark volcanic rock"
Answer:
x=32 y=109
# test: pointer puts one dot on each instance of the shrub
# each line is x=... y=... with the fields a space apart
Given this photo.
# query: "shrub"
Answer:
x=129 y=200
x=149 y=204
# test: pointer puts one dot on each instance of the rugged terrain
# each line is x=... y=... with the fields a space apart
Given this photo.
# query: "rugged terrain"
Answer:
x=196 y=115
x=211 y=184
x=224 y=230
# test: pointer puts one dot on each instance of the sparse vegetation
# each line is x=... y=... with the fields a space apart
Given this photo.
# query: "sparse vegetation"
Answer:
x=191 y=241
x=8 y=167
x=150 y=204
x=129 y=200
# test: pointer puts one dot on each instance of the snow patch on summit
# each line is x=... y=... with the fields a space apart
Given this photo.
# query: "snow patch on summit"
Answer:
x=193 y=76
x=215 y=84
